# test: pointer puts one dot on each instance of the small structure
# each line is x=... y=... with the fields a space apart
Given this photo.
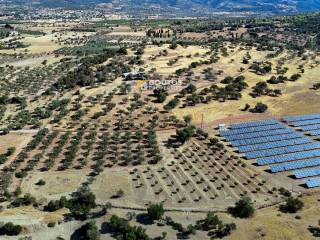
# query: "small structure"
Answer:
x=222 y=127
x=134 y=76
x=14 y=34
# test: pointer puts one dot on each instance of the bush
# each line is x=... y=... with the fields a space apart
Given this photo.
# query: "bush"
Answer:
x=155 y=211
x=41 y=182
x=292 y=205
x=55 y=205
x=214 y=141
x=284 y=192
x=10 y=229
x=10 y=151
x=21 y=174
x=184 y=134
x=26 y=200
x=243 y=208
x=51 y=224
x=260 y=108
x=171 y=104
x=173 y=45
x=81 y=203
x=88 y=231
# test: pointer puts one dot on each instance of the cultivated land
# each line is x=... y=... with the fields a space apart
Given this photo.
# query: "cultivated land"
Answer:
x=69 y=121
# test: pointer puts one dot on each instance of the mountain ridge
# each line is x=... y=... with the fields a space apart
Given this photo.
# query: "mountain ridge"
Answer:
x=261 y=6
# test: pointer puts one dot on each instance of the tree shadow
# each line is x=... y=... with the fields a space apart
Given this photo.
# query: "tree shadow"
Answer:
x=144 y=219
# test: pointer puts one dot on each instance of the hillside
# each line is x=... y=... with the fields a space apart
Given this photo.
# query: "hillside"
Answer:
x=265 y=6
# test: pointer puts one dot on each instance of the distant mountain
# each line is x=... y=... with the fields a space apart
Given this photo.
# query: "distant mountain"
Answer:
x=259 y=6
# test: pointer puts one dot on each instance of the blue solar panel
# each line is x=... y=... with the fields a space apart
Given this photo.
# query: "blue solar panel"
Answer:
x=306 y=122
x=283 y=150
x=251 y=129
x=315 y=133
x=254 y=124
x=302 y=117
x=312 y=182
x=270 y=145
x=295 y=165
x=259 y=134
x=266 y=139
x=311 y=127
x=307 y=173
x=289 y=157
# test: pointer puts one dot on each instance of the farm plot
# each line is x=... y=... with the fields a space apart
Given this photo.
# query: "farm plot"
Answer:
x=85 y=148
x=29 y=81
x=198 y=173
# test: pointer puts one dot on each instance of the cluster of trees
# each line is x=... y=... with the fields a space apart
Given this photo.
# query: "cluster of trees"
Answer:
x=232 y=91
x=183 y=232
x=316 y=86
x=153 y=145
x=292 y=205
x=216 y=143
x=4 y=33
x=160 y=95
x=8 y=153
x=80 y=203
x=88 y=231
x=211 y=223
x=172 y=104
x=26 y=200
x=122 y=229
x=73 y=148
x=261 y=88
x=61 y=106
x=261 y=68
x=217 y=228
x=160 y=33
x=56 y=150
x=84 y=75
x=282 y=79
x=21 y=101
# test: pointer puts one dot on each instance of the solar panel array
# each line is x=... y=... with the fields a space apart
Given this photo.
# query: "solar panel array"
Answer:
x=273 y=143
x=308 y=123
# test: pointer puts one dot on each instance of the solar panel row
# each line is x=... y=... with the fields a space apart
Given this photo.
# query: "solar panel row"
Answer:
x=283 y=150
x=259 y=134
x=307 y=173
x=302 y=117
x=315 y=133
x=251 y=129
x=289 y=157
x=312 y=182
x=266 y=139
x=311 y=127
x=254 y=124
x=277 y=144
x=306 y=122
x=294 y=165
